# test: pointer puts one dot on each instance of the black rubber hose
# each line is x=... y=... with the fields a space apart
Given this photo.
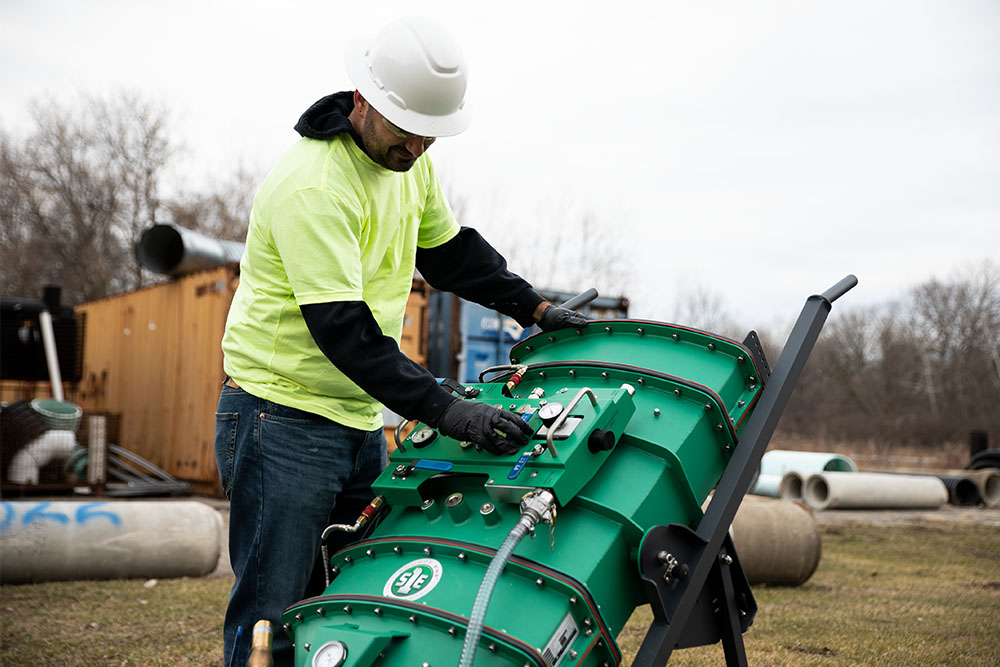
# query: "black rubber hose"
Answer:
x=989 y=458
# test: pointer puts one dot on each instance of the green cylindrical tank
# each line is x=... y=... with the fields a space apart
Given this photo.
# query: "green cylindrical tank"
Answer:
x=650 y=416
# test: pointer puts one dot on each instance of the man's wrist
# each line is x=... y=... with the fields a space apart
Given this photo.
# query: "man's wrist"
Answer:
x=539 y=310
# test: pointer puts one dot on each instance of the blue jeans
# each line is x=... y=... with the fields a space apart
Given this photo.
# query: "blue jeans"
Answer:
x=288 y=474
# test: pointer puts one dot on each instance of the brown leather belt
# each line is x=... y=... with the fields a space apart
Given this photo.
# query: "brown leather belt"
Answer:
x=230 y=382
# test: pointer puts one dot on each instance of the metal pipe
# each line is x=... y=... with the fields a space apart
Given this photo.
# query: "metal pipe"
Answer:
x=51 y=357
x=174 y=250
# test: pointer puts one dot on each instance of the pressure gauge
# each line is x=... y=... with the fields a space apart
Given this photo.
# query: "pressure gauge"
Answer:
x=330 y=654
x=423 y=437
x=550 y=412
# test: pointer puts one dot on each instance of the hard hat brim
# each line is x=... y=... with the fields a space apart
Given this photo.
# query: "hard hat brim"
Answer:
x=409 y=120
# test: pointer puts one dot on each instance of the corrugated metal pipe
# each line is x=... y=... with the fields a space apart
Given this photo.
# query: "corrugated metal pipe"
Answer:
x=174 y=250
x=872 y=490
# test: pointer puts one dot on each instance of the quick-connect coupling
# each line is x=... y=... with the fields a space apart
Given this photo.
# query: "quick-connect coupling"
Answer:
x=538 y=506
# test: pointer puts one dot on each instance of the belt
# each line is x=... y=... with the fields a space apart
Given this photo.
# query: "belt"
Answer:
x=230 y=382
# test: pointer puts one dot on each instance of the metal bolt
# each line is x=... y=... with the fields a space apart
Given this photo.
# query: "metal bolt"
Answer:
x=413 y=619
x=656 y=412
x=579 y=332
x=727 y=559
x=307 y=646
x=711 y=346
x=528 y=348
x=719 y=427
x=740 y=359
x=539 y=581
x=708 y=407
x=675 y=337
x=347 y=609
x=451 y=631
x=572 y=373
x=348 y=560
x=397 y=550
x=752 y=379
x=334 y=570
x=572 y=654
x=588 y=632
x=552 y=339
x=604 y=375
x=512 y=406
x=462 y=556
x=640 y=331
x=298 y=618
x=541 y=374
x=573 y=599
x=377 y=611
x=587 y=622
x=492 y=648
x=400 y=469
x=370 y=553
x=427 y=551
x=641 y=381
x=320 y=611
x=534 y=474
x=741 y=403
x=287 y=627
x=677 y=392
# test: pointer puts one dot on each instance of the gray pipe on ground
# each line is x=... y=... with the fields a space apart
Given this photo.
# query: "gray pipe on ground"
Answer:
x=50 y=541
x=987 y=481
x=791 y=486
x=777 y=541
x=174 y=250
x=871 y=490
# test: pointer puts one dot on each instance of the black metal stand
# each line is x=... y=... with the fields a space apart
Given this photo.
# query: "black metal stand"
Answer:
x=693 y=579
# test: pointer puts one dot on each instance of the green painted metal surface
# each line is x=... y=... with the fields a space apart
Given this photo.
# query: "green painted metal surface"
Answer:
x=674 y=400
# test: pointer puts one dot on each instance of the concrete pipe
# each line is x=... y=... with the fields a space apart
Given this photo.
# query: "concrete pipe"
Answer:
x=872 y=490
x=791 y=486
x=780 y=461
x=777 y=541
x=49 y=541
x=988 y=483
x=766 y=485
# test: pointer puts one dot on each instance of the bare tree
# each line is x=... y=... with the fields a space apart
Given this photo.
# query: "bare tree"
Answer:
x=221 y=211
x=76 y=191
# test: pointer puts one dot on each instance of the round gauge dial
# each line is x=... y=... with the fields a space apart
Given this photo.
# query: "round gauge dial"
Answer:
x=550 y=412
x=423 y=436
x=330 y=654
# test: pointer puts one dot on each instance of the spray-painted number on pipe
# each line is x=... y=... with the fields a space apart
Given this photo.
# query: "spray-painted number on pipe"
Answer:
x=35 y=512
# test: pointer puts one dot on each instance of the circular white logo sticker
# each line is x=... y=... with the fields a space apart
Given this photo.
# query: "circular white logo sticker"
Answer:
x=414 y=580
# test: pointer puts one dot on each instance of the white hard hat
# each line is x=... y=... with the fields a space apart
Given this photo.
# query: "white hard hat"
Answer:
x=413 y=73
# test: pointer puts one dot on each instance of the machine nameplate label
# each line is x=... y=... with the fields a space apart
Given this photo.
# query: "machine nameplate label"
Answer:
x=414 y=580
x=561 y=641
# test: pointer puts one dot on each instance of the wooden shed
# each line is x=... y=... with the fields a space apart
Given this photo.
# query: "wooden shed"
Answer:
x=153 y=357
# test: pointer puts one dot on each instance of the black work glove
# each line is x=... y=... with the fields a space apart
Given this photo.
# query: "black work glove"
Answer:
x=556 y=317
x=475 y=422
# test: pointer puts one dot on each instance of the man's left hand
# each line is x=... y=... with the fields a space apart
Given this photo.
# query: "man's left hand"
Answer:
x=556 y=317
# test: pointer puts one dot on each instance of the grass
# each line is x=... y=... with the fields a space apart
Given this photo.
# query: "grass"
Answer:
x=883 y=595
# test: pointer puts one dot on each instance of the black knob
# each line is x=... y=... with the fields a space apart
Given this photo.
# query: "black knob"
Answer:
x=601 y=441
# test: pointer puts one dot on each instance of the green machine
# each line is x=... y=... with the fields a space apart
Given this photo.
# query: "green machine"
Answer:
x=540 y=557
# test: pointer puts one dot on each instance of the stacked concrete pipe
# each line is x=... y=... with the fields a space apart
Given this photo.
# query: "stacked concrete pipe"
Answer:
x=776 y=464
x=871 y=490
x=987 y=482
x=49 y=541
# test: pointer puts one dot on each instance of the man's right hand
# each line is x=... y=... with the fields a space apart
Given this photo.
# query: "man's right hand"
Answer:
x=479 y=422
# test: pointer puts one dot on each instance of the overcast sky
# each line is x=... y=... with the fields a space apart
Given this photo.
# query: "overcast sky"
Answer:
x=758 y=151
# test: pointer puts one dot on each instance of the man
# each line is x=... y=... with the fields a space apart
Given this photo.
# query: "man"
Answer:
x=311 y=342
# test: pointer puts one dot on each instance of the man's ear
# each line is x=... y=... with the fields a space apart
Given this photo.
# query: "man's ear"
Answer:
x=359 y=100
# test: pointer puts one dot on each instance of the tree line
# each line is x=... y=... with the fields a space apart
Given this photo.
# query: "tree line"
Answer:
x=922 y=370
x=80 y=184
